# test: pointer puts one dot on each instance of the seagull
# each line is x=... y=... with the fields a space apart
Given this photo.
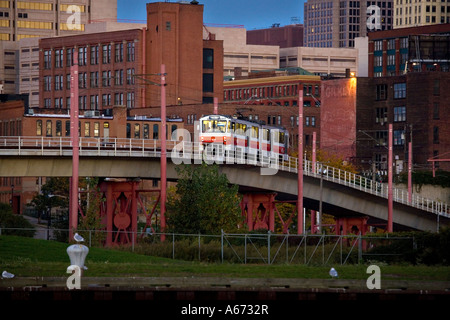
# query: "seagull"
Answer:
x=333 y=273
x=7 y=275
x=78 y=238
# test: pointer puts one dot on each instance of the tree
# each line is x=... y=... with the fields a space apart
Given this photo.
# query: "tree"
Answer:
x=204 y=202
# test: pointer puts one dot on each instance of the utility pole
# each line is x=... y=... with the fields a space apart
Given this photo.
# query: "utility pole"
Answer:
x=390 y=225
x=73 y=211
x=300 y=221
x=163 y=153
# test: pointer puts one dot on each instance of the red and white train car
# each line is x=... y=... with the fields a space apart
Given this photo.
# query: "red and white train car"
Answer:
x=244 y=137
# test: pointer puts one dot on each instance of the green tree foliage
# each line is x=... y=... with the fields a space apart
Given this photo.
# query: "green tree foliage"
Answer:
x=13 y=224
x=204 y=202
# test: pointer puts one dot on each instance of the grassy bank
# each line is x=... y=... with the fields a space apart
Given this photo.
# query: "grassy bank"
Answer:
x=26 y=257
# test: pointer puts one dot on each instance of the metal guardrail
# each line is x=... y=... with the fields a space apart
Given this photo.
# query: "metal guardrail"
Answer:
x=185 y=151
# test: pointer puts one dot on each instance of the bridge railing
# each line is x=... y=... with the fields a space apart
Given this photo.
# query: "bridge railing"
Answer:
x=126 y=147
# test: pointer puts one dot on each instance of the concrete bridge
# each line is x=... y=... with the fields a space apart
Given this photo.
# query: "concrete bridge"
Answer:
x=343 y=193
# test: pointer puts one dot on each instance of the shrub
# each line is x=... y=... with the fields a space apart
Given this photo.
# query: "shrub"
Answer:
x=13 y=224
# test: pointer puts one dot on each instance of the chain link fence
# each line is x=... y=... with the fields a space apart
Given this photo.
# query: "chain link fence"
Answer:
x=260 y=248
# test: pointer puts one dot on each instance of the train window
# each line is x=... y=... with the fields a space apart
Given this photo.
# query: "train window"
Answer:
x=155 y=131
x=48 y=128
x=97 y=129
x=146 y=131
x=214 y=126
x=39 y=127
x=137 y=131
x=265 y=134
x=87 y=129
x=281 y=137
x=241 y=128
x=58 y=128
x=255 y=132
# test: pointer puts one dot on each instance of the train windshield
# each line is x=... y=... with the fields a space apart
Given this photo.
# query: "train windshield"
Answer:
x=213 y=126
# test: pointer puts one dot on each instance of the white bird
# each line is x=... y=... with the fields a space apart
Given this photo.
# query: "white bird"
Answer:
x=333 y=273
x=7 y=275
x=78 y=238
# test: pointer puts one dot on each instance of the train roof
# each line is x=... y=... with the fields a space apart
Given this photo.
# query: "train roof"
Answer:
x=247 y=121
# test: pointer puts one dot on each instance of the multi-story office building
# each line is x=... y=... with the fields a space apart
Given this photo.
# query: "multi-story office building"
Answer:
x=30 y=20
x=333 y=23
x=327 y=62
x=47 y=18
x=241 y=58
x=420 y=13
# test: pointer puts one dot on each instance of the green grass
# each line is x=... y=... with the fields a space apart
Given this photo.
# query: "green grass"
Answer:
x=28 y=257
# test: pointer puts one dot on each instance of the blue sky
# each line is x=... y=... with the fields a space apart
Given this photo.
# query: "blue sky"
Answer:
x=253 y=14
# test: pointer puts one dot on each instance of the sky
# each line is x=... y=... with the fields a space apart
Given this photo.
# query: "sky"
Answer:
x=252 y=14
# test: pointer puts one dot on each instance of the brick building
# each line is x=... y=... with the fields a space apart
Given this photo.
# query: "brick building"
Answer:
x=123 y=67
x=284 y=37
x=418 y=106
x=108 y=65
x=277 y=93
x=395 y=52
x=194 y=64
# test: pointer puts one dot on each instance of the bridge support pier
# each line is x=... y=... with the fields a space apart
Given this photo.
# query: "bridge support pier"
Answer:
x=258 y=210
x=351 y=225
x=120 y=211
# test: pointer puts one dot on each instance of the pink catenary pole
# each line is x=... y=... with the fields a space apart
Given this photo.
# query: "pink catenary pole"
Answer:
x=390 y=225
x=74 y=138
x=163 y=152
x=409 y=172
x=216 y=106
x=300 y=164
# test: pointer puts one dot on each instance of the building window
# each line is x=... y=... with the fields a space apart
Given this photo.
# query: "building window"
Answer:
x=119 y=52
x=39 y=127
x=381 y=93
x=155 y=131
x=208 y=58
x=59 y=58
x=399 y=114
x=146 y=131
x=208 y=82
x=399 y=137
x=47 y=59
x=48 y=128
x=137 y=131
x=106 y=54
x=435 y=134
x=94 y=55
x=87 y=129
x=130 y=100
x=96 y=129
x=378 y=45
x=131 y=51
x=67 y=133
x=69 y=57
x=58 y=128
x=399 y=90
